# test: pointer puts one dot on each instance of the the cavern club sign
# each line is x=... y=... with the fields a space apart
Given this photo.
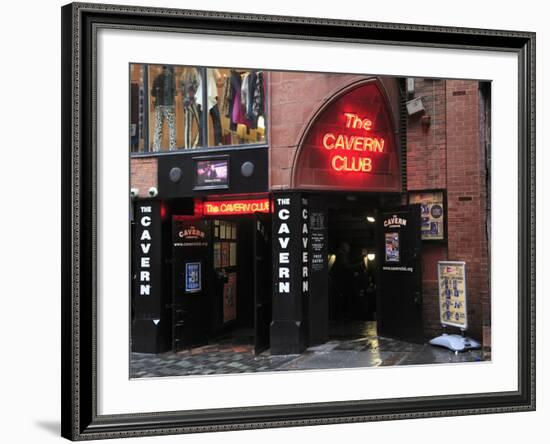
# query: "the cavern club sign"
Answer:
x=234 y=207
x=351 y=145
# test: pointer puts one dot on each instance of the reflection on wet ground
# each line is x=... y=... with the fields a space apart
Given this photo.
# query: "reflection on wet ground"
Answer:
x=351 y=345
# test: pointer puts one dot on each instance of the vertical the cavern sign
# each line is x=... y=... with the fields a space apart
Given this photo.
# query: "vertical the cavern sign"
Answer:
x=146 y=273
x=291 y=279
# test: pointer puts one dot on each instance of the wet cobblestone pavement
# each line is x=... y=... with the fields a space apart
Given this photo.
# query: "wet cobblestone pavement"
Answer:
x=351 y=345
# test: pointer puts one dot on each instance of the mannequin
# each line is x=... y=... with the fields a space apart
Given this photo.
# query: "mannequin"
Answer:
x=191 y=87
x=190 y=84
x=213 y=77
x=164 y=92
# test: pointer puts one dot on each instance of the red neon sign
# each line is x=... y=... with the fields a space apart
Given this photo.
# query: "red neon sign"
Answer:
x=351 y=145
x=346 y=143
x=231 y=207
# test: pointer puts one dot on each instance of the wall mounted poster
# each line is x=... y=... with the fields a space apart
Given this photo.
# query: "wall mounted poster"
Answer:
x=392 y=247
x=217 y=255
x=225 y=254
x=233 y=254
x=452 y=294
x=432 y=214
x=193 y=277
x=230 y=298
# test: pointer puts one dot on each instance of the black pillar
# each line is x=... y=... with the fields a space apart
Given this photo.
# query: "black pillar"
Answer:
x=150 y=320
x=318 y=271
x=288 y=332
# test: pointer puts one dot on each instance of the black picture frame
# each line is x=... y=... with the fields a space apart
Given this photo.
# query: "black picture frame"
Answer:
x=80 y=419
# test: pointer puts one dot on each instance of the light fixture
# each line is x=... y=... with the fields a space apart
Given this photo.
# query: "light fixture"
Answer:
x=371 y=219
x=371 y=256
x=415 y=106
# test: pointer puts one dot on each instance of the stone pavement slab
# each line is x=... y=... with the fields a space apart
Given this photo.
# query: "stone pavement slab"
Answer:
x=350 y=346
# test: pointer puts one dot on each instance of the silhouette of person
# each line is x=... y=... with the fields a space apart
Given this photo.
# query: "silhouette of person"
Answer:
x=343 y=272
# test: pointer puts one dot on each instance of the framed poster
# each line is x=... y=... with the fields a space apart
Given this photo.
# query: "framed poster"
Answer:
x=432 y=213
x=225 y=254
x=216 y=228
x=452 y=294
x=391 y=246
x=100 y=42
x=232 y=254
x=193 y=277
x=217 y=255
x=230 y=298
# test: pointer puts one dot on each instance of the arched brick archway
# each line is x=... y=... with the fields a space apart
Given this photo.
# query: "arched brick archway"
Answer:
x=350 y=143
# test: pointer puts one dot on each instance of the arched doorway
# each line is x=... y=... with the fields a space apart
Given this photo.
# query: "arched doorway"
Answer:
x=348 y=168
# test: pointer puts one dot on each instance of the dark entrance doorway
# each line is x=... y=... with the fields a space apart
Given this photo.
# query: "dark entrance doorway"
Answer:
x=352 y=259
x=190 y=281
x=352 y=265
x=241 y=299
x=374 y=261
x=221 y=268
x=262 y=281
x=400 y=282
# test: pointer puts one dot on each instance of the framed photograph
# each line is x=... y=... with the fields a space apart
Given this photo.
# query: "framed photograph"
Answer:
x=338 y=148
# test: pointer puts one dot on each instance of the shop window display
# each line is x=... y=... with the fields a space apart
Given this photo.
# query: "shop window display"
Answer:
x=241 y=105
x=185 y=107
x=137 y=109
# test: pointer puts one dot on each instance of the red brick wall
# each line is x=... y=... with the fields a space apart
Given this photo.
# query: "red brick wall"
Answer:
x=449 y=154
x=466 y=195
x=426 y=169
x=293 y=99
x=143 y=174
x=426 y=146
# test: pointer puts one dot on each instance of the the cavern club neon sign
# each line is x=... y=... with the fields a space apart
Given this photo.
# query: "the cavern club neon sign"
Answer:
x=230 y=207
x=345 y=146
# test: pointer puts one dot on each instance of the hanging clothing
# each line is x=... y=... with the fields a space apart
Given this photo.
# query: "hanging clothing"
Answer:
x=244 y=90
x=258 y=100
x=238 y=113
x=226 y=97
x=235 y=101
x=211 y=89
x=217 y=124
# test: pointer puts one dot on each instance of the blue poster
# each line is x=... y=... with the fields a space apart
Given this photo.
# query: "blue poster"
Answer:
x=192 y=277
